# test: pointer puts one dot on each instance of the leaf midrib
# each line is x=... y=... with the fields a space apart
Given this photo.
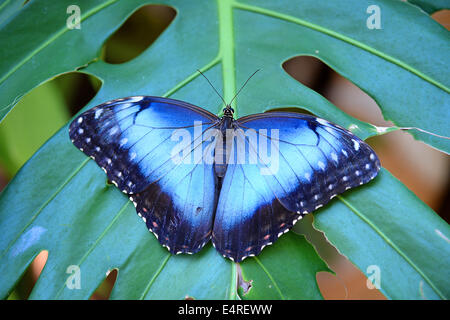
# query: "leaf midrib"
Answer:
x=226 y=56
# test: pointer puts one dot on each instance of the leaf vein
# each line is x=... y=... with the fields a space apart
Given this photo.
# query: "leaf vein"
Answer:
x=342 y=37
x=392 y=244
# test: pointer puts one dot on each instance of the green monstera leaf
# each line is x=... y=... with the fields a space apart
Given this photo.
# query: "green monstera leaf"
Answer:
x=60 y=201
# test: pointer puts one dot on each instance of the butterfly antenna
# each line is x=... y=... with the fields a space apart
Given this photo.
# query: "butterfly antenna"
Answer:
x=212 y=86
x=243 y=86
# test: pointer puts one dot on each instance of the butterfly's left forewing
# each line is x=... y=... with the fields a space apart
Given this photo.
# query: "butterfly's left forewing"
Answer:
x=302 y=163
x=146 y=147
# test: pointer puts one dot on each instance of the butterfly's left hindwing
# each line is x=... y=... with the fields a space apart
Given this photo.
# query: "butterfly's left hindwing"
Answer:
x=133 y=141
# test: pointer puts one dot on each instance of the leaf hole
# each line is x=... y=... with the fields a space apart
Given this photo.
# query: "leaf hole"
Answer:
x=137 y=33
x=442 y=17
x=407 y=159
x=103 y=292
x=29 y=278
x=423 y=169
x=318 y=76
x=348 y=282
x=77 y=89
x=40 y=114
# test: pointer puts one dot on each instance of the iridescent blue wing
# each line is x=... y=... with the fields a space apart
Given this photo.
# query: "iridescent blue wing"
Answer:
x=261 y=200
x=140 y=143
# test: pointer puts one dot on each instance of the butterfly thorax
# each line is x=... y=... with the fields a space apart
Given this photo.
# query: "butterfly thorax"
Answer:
x=228 y=112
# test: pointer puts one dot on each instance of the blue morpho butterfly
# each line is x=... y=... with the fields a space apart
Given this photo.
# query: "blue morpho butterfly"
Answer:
x=193 y=176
